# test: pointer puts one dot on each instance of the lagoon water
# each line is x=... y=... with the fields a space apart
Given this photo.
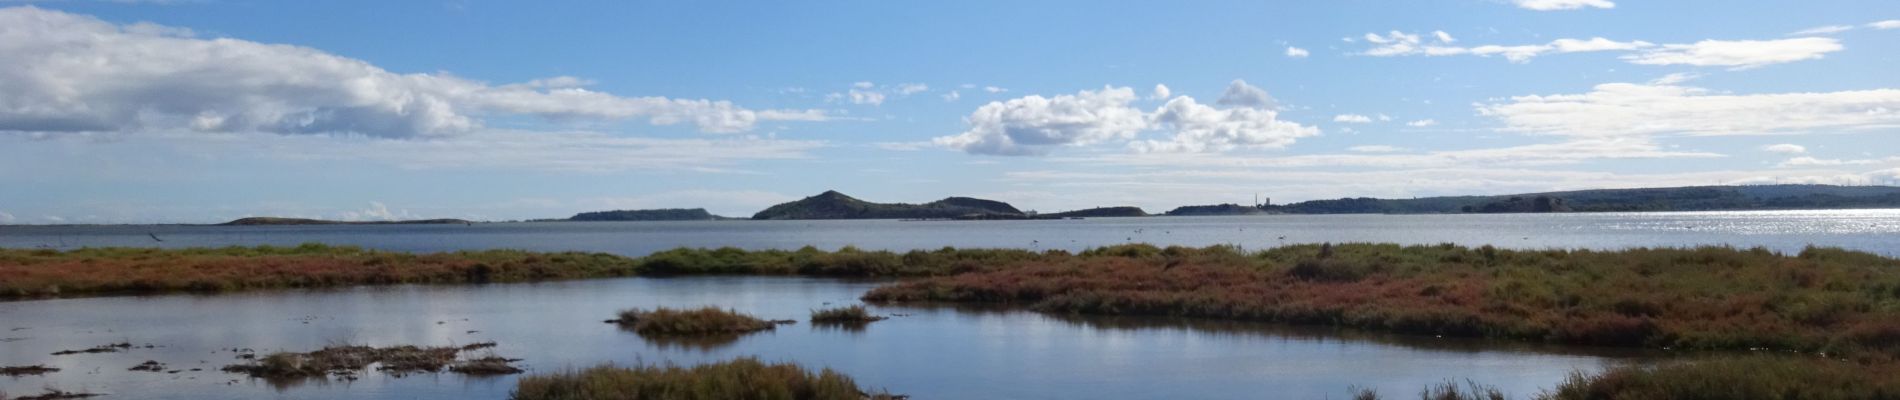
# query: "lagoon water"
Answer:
x=1788 y=231
x=932 y=353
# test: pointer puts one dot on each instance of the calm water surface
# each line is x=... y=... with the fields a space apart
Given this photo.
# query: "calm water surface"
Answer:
x=1869 y=230
x=934 y=353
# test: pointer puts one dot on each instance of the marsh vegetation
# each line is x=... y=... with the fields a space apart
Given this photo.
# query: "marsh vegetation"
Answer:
x=739 y=379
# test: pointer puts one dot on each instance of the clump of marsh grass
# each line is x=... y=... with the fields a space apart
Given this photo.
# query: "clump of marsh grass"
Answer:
x=744 y=378
x=844 y=315
x=701 y=321
x=24 y=370
x=345 y=361
x=1736 y=377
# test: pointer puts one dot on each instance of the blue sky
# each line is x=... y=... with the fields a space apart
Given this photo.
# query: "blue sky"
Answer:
x=202 y=111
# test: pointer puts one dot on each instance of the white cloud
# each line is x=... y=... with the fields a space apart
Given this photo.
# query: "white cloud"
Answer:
x=1352 y=118
x=76 y=73
x=1551 y=5
x=1384 y=118
x=485 y=150
x=1675 y=78
x=1887 y=24
x=1031 y=125
x=1628 y=109
x=1241 y=94
x=6 y=218
x=1443 y=37
x=1824 y=162
x=952 y=96
x=1034 y=125
x=994 y=89
x=1785 y=148
x=1822 y=30
x=1161 y=92
x=1421 y=123
x=376 y=212
x=1739 y=54
x=1398 y=43
x=1201 y=128
x=1375 y=149
x=906 y=89
x=864 y=93
x=1295 y=52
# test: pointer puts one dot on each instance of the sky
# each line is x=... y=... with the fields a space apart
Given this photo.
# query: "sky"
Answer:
x=203 y=111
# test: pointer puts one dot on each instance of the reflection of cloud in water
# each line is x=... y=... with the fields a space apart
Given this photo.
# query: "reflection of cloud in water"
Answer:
x=995 y=319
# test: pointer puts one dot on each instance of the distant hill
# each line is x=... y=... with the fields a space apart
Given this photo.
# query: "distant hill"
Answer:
x=665 y=214
x=1217 y=209
x=1692 y=198
x=1521 y=204
x=834 y=205
x=306 y=221
x=1101 y=212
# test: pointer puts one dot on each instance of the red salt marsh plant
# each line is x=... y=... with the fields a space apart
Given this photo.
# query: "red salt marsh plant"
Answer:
x=700 y=321
x=1828 y=301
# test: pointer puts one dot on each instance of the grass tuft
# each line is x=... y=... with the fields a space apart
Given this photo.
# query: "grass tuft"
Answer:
x=740 y=379
x=844 y=315
x=701 y=321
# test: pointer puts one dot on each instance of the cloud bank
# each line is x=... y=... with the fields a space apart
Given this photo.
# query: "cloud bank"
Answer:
x=76 y=73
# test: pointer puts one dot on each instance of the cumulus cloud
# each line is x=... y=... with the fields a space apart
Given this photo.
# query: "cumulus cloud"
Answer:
x=1352 y=118
x=1552 y=5
x=953 y=95
x=1295 y=52
x=1785 y=148
x=1033 y=125
x=1421 y=123
x=1201 y=128
x=1628 y=109
x=1738 y=54
x=1161 y=92
x=1241 y=94
x=76 y=73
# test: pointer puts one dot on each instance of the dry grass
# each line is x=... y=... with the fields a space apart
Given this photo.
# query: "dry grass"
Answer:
x=740 y=379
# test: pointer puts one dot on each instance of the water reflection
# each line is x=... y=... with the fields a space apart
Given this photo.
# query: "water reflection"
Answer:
x=943 y=352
